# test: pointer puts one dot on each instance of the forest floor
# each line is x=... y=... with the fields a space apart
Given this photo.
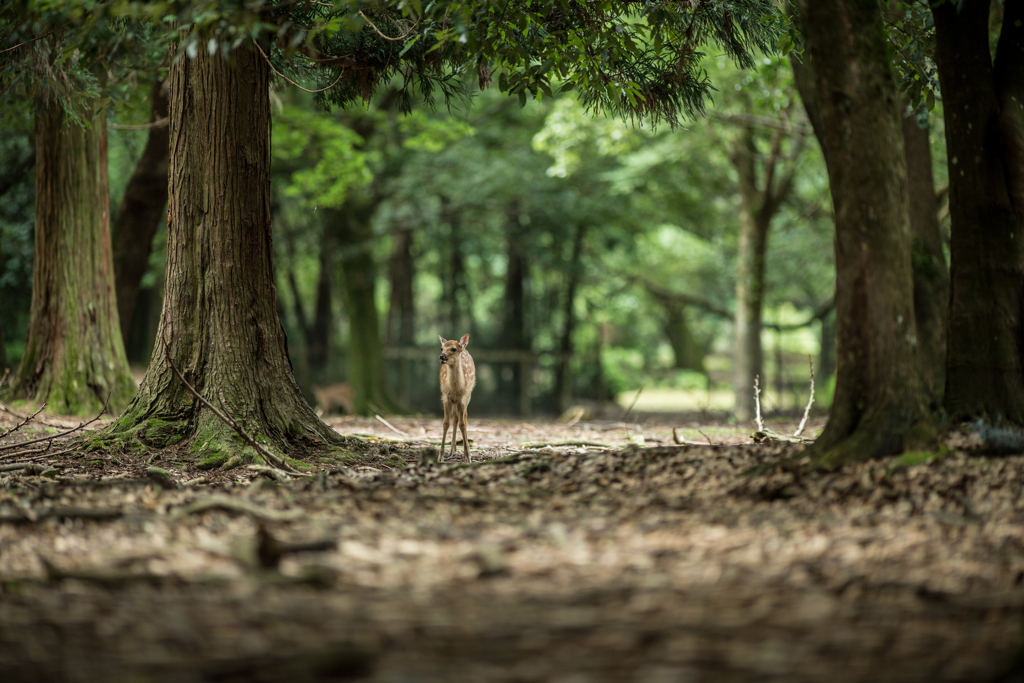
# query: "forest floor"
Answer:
x=597 y=560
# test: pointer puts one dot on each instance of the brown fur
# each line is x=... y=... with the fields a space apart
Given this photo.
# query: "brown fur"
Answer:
x=335 y=396
x=458 y=377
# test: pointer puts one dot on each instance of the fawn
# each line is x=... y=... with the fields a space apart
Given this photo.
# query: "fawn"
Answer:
x=335 y=396
x=458 y=377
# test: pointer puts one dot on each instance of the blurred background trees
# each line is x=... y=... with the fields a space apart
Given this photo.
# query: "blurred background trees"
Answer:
x=587 y=257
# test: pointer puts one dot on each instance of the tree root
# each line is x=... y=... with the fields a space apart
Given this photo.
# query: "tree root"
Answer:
x=225 y=502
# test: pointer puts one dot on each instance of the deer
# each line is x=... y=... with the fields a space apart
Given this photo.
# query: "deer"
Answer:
x=458 y=377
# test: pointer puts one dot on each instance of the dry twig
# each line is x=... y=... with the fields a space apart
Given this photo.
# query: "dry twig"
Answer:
x=810 y=401
x=391 y=427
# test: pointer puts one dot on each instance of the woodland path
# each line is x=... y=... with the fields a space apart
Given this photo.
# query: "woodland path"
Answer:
x=574 y=563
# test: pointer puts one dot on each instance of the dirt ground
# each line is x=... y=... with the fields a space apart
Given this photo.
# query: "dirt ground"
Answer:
x=600 y=551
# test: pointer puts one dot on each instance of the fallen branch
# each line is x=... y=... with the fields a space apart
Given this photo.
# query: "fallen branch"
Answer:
x=272 y=472
x=62 y=512
x=684 y=442
x=21 y=446
x=227 y=419
x=391 y=427
x=557 y=444
x=24 y=421
x=230 y=504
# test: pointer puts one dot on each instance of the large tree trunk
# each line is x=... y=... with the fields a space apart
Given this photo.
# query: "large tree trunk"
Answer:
x=351 y=227
x=984 y=111
x=931 y=276
x=220 y=315
x=74 y=356
x=879 y=405
x=141 y=212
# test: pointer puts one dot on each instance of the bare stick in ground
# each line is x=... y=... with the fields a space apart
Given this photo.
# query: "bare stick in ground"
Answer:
x=807 y=410
x=757 y=403
x=391 y=427
x=24 y=421
x=226 y=419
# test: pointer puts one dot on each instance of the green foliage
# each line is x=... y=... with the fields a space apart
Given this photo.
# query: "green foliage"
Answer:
x=339 y=164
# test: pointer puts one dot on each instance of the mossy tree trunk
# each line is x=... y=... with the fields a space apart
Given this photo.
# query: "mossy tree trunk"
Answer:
x=141 y=211
x=931 y=275
x=879 y=406
x=74 y=356
x=763 y=190
x=351 y=228
x=220 y=314
x=983 y=101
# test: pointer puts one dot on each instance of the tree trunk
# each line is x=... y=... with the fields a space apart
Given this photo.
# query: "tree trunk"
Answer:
x=351 y=227
x=74 y=356
x=984 y=111
x=319 y=336
x=687 y=353
x=220 y=314
x=760 y=200
x=879 y=405
x=513 y=330
x=827 y=356
x=3 y=344
x=563 y=380
x=931 y=276
x=141 y=212
x=402 y=309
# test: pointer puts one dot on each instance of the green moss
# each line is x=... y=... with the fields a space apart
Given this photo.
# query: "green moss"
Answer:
x=212 y=462
x=911 y=458
x=299 y=465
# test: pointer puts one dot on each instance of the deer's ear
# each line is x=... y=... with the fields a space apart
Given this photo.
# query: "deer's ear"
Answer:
x=443 y=340
x=464 y=342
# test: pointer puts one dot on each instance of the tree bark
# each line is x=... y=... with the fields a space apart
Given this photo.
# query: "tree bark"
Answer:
x=74 y=355
x=220 y=315
x=318 y=336
x=879 y=406
x=563 y=379
x=513 y=330
x=402 y=309
x=931 y=275
x=141 y=212
x=3 y=343
x=984 y=112
x=351 y=228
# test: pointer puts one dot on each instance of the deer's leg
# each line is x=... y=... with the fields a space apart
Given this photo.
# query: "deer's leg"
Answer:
x=444 y=430
x=464 y=423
